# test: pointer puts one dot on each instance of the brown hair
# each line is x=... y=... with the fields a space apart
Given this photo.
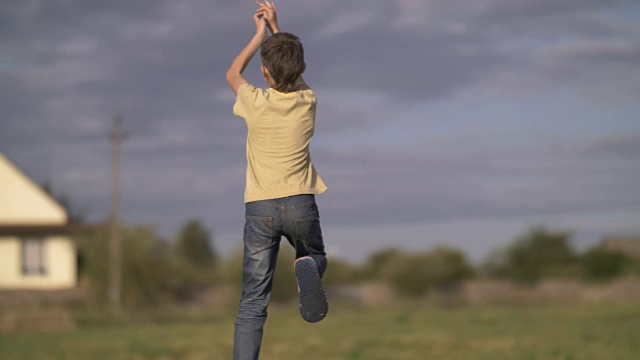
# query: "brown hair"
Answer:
x=282 y=54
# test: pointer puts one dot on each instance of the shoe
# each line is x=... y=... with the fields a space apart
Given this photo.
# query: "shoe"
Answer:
x=313 y=300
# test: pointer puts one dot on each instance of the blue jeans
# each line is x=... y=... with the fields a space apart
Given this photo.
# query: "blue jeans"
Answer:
x=298 y=220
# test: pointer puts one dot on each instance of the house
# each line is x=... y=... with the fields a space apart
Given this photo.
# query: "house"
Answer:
x=36 y=252
x=627 y=245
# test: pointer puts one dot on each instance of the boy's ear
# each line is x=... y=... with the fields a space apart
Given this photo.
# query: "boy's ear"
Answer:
x=267 y=75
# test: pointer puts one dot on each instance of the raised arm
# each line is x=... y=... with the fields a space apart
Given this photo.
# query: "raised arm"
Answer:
x=268 y=8
x=234 y=74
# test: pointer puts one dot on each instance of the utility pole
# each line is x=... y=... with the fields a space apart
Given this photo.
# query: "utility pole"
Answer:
x=115 y=251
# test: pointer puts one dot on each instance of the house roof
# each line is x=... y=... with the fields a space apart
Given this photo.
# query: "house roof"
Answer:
x=23 y=202
x=48 y=229
x=34 y=229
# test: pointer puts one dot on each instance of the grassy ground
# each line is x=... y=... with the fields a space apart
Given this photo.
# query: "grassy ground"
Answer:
x=401 y=332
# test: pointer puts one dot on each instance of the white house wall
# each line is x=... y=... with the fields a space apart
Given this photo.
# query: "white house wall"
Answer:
x=60 y=258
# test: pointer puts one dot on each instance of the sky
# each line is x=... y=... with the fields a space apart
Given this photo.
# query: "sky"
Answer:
x=454 y=122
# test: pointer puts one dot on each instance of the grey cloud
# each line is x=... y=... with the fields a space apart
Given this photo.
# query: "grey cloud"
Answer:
x=72 y=65
x=392 y=186
x=159 y=59
x=523 y=10
x=626 y=147
x=419 y=186
x=406 y=67
x=460 y=45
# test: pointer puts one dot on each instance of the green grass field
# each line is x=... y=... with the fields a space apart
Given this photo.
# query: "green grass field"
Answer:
x=396 y=332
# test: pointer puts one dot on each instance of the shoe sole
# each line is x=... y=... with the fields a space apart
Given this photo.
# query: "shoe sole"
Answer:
x=313 y=300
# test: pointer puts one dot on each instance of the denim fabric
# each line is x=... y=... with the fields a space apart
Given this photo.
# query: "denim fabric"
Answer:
x=298 y=220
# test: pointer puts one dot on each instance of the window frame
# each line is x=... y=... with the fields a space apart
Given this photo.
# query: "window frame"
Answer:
x=27 y=267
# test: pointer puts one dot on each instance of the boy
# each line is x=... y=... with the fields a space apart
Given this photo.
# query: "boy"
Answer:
x=281 y=181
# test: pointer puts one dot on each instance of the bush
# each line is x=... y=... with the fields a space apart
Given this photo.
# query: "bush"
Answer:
x=416 y=274
x=148 y=273
x=537 y=254
x=151 y=272
x=341 y=272
x=193 y=245
x=602 y=264
x=195 y=260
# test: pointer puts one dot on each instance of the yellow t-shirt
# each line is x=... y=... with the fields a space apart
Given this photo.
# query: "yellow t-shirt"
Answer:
x=280 y=127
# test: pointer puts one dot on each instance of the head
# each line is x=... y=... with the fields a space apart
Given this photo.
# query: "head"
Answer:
x=282 y=61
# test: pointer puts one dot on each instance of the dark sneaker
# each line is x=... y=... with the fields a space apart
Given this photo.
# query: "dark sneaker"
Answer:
x=313 y=300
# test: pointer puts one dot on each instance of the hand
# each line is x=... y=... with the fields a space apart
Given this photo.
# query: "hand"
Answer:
x=268 y=11
x=261 y=24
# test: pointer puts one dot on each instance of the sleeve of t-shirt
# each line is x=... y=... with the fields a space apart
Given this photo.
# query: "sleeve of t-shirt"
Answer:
x=245 y=100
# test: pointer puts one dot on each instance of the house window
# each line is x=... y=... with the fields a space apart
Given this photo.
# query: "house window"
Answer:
x=33 y=257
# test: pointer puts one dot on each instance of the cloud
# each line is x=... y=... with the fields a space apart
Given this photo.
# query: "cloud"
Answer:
x=412 y=14
x=346 y=22
x=620 y=146
x=432 y=49
x=531 y=11
x=435 y=184
x=69 y=66
x=224 y=95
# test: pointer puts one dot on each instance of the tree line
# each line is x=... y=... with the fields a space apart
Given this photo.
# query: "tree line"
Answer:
x=158 y=271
